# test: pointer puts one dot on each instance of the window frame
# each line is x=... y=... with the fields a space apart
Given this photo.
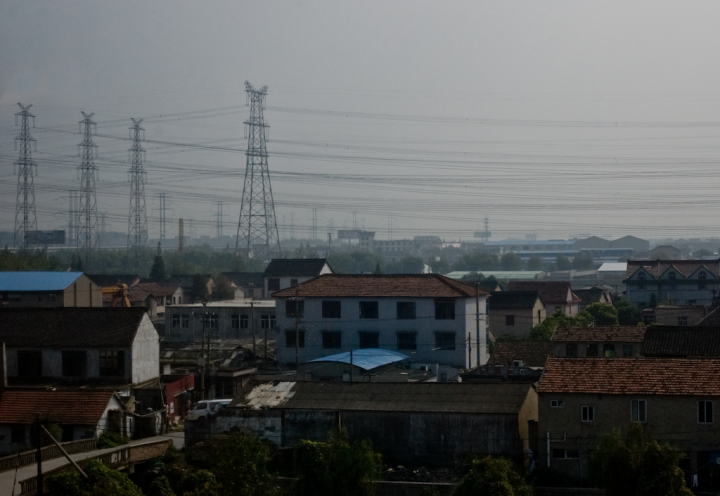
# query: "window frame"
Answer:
x=557 y=403
x=331 y=309
x=444 y=309
x=15 y=430
x=105 y=370
x=702 y=280
x=445 y=335
x=235 y=321
x=704 y=410
x=363 y=314
x=587 y=413
x=641 y=278
x=176 y=321
x=573 y=347
x=185 y=321
x=635 y=411
x=625 y=348
x=609 y=347
x=294 y=308
x=267 y=321
x=405 y=314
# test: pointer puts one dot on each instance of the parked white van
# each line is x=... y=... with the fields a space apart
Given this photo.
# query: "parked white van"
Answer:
x=207 y=408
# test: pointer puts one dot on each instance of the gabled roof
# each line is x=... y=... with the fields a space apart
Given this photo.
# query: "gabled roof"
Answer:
x=532 y=353
x=611 y=334
x=681 y=341
x=590 y=295
x=712 y=318
x=666 y=377
x=62 y=406
x=245 y=279
x=70 y=327
x=384 y=396
x=686 y=267
x=514 y=300
x=381 y=285
x=551 y=292
x=366 y=358
x=295 y=267
x=112 y=279
x=37 y=281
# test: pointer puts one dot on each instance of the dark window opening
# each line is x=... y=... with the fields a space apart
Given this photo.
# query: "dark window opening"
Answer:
x=406 y=310
x=29 y=363
x=445 y=309
x=627 y=350
x=702 y=278
x=332 y=340
x=185 y=321
x=267 y=321
x=407 y=341
x=290 y=339
x=705 y=412
x=369 y=340
x=112 y=363
x=571 y=350
x=369 y=310
x=609 y=351
x=74 y=363
x=638 y=411
x=176 y=321
x=331 y=309
x=682 y=320
x=591 y=350
x=17 y=434
x=510 y=320
x=295 y=308
x=445 y=340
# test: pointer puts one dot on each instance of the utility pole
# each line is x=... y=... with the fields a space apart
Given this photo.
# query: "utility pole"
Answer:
x=351 y=366
x=162 y=218
x=25 y=214
x=477 y=320
x=297 y=328
x=181 y=235
x=314 y=224
x=137 y=218
x=469 y=350
x=329 y=245
x=88 y=235
x=38 y=455
x=257 y=227
x=252 y=317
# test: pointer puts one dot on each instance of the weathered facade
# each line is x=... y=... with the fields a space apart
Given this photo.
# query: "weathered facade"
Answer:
x=227 y=320
x=429 y=423
x=514 y=313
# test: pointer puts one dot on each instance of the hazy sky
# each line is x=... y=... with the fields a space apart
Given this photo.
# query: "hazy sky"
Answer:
x=556 y=118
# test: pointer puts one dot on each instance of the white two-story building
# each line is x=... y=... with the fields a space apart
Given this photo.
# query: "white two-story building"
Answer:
x=429 y=317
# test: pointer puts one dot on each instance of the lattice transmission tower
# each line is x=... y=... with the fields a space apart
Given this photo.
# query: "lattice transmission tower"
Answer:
x=25 y=215
x=257 y=234
x=137 y=218
x=88 y=233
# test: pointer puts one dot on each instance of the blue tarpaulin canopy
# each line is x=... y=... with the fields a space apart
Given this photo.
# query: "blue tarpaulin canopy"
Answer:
x=366 y=358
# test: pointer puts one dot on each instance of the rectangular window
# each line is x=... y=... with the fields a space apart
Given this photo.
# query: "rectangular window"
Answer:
x=444 y=340
x=332 y=340
x=571 y=350
x=331 y=309
x=591 y=350
x=705 y=412
x=407 y=341
x=369 y=310
x=406 y=310
x=212 y=322
x=445 y=309
x=369 y=339
x=74 y=363
x=176 y=321
x=267 y=321
x=682 y=320
x=627 y=350
x=509 y=320
x=235 y=322
x=295 y=308
x=587 y=413
x=609 y=351
x=185 y=321
x=29 y=363
x=17 y=433
x=290 y=339
x=638 y=411
x=112 y=363
x=557 y=403
x=273 y=284
x=244 y=321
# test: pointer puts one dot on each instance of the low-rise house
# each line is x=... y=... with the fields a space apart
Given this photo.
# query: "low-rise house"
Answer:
x=154 y=297
x=80 y=346
x=514 y=313
x=282 y=273
x=581 y=399
x=80 y=413
x=593 y=295
x=521 y=353
x=48 y=290
x=432 y=318
x=607 y=342
x=231 y=319
x=251 y=284
x=682 y=282
x=681 y=342
x=556 y=295
x=674 y=315
x=413 y=422
x=185 y=281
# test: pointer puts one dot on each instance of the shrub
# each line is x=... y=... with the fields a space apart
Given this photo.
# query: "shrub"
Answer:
x=490 y=476
x=110 y=439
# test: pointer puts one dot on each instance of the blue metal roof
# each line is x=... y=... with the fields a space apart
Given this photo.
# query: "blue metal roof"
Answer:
x=366 y=358
x=37 y=281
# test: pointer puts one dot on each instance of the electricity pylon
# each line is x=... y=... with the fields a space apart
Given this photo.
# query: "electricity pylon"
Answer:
x=88 y=234
x=137 y=218
x=25 y=214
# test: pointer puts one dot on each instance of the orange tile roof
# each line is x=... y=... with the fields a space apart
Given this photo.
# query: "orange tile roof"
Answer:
x=381 y=285
x=616 y=334
x=666 y=376
x=62 y=406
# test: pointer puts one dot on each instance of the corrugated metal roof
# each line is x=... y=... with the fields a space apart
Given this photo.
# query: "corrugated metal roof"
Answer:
x=366 y=358
x=37 y=281
x=613 y=267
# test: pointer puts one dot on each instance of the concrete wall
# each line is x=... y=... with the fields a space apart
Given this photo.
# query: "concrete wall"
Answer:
x=525 y=319
x=350 y=325
x=145 y=353
x=670 y=419
x=83 y=293
x=224 y=331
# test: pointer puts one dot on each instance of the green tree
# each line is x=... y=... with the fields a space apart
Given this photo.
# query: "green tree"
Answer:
x=199 y=483
x=583 y=261
x=535 y=263
x=439 y=265
x=158 y=272
x=199 y=288
x=603 y=315
x=100 y=480
x=160 y=487
x=336 y=467
x=544 y=330
x=477 y=262
x=490 y=476
x=472 y=277
x=406 y=265
x=356 y=262
x=627 y=313
x=510 y=261
x=653 y=300
x=223 y=289
x=562 y=262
